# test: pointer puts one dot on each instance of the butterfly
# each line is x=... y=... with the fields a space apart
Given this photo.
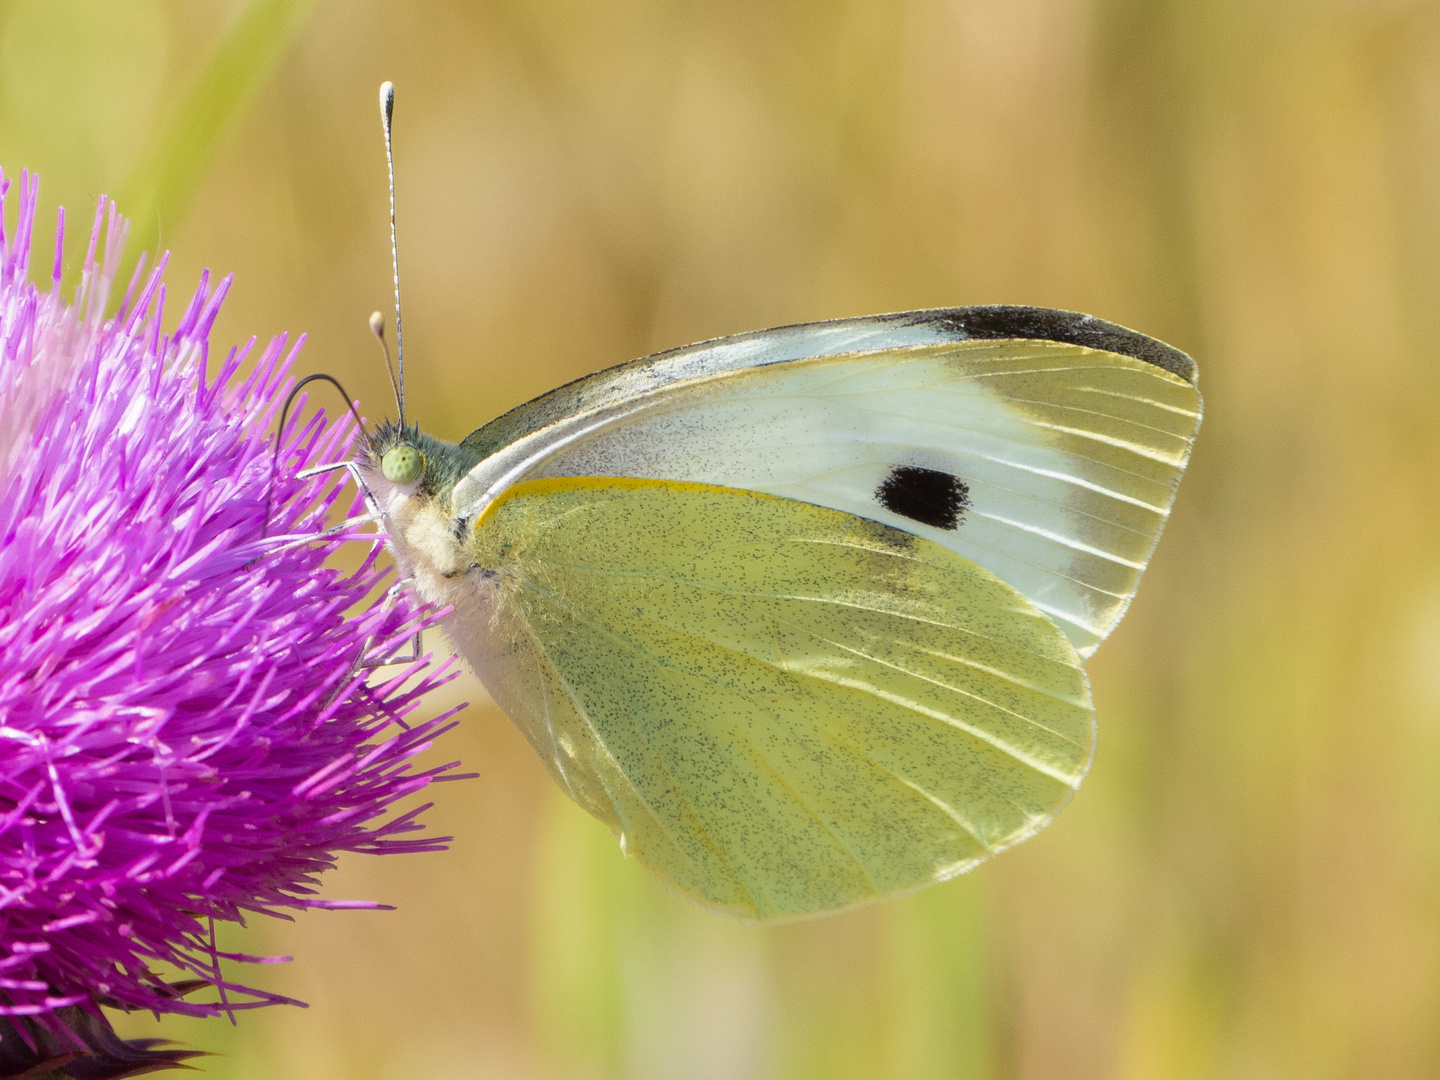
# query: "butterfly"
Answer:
x=800 y=614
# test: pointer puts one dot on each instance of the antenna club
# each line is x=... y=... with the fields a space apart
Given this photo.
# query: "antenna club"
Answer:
x=377 y=325
x=387 y=102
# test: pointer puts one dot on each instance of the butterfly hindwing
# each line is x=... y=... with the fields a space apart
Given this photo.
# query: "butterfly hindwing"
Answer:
x=782 y=708
x=1050 y=461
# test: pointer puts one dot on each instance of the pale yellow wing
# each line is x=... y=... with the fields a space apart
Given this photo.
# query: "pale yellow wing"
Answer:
x=780 y=707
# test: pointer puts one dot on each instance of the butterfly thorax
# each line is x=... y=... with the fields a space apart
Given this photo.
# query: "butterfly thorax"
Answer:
x=413 y=476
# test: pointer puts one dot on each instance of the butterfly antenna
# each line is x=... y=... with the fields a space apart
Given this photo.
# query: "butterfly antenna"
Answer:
x=377 y=327
x=387 y=110
x=280 y=434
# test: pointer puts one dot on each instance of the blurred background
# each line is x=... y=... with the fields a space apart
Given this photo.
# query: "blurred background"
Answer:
x=1248 y=885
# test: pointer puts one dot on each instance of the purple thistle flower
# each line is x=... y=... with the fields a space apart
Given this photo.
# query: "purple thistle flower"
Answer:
x=185 y=732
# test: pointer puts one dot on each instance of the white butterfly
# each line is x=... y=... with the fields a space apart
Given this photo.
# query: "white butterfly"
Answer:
x=800 y=613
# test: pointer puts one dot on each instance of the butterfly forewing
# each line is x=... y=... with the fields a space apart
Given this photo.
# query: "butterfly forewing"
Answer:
x=1051 y=464
x=782 y=707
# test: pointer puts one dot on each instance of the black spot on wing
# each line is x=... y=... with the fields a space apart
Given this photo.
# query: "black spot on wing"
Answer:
x=928 y=496
x=1048 y=324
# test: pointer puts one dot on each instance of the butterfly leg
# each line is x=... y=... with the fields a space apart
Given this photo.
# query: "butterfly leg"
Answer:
x=335 y=530
x=417 y=640
x=372 y=504
x=376 y=515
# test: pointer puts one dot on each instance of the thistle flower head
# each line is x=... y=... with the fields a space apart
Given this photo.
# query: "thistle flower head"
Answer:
x=185 y=733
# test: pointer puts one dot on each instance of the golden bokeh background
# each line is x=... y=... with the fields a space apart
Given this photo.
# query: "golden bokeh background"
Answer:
x=1248 y=885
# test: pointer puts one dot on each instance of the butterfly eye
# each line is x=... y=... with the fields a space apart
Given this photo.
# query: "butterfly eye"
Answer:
x=402 y=464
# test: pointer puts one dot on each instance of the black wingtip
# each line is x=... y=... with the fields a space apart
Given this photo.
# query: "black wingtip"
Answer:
x=1049 y=324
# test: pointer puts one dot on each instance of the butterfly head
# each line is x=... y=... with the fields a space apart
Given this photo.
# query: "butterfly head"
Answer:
x=403 y=462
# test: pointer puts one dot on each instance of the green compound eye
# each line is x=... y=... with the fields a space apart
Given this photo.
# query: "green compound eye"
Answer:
x=402 y=464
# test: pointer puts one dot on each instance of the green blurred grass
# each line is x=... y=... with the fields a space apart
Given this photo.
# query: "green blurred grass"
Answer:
x=1247 y=884
x=162 y=183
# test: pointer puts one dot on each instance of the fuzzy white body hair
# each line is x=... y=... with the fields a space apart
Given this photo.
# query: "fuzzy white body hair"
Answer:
x=428 y=546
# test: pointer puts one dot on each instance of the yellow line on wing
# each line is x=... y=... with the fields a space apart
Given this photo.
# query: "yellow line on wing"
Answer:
x=553 y=485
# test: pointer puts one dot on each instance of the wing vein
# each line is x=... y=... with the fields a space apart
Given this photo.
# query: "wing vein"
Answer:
x=995 y=741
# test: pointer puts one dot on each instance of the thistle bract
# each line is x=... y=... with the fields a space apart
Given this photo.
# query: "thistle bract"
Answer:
x=186 y=734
